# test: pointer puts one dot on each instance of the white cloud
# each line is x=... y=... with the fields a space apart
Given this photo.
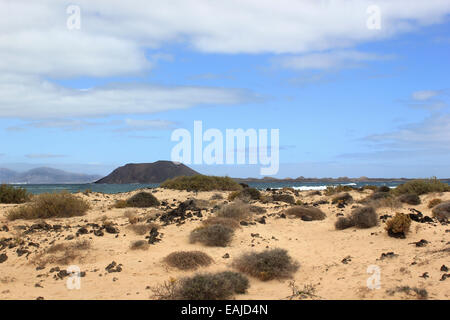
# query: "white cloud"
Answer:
x=36 y=45
x=31 y=97
x=425 y=95
x=328 y=60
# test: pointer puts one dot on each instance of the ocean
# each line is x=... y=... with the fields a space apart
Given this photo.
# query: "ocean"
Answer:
x=118 y=188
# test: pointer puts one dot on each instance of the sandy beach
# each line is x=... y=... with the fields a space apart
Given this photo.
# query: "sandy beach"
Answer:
x=333 y=262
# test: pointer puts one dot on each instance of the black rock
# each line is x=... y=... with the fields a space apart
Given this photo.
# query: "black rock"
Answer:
x=243 y=223
x=111 y=229
x=226 y=256
x=3 y=257
x=99 y=233
x=444 y=268
x=82 y=230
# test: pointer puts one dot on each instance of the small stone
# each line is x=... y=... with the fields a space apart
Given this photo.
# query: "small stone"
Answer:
x=3 y=257
x=226 y=256
x=444 y=268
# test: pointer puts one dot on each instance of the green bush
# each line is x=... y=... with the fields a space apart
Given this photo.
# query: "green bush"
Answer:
x=364 y=217
x=306 y=213
x=142 y=200
x=212 y=286
x=422 y=186
x=409 y=198
x=215 y=235
x=202 y=183
x=188 y=260
x=398 y=226
x=10 y=194
x=267 y=265
x=51 y=205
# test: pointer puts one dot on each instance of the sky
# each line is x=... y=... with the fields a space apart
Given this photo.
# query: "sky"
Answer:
x=355 y=88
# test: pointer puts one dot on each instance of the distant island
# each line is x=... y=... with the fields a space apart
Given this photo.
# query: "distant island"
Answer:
x=45 y=175
x=155 y=172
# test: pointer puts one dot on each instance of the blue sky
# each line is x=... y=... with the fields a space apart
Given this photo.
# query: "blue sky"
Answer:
x=348 y=101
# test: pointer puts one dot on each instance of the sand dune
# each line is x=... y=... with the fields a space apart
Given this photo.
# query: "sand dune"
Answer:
x=333 y=262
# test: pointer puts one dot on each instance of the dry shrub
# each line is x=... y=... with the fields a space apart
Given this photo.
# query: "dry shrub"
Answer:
x=442 y=211
x=409 y=198
x=433 y=203
x=217 y=196
x=139 y=245
x=188 y=260
x=142 y=228
x=344 y=197
x=63 y=253
x=364 y=217
x=384 y=189
x=245 y=194
x=283 y=198
x=10 y=194
x=344 y=223
x=204 y=286
x=306 y=213
x=387 y=202
x=380 y=195
x=398 y=226
x=215 y=235
x=337 y=189
x=237 y=210
x=228 y=222
x=51 y=205
x=267 y=265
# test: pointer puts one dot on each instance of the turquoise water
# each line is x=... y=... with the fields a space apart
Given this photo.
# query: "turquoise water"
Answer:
x=117 y=188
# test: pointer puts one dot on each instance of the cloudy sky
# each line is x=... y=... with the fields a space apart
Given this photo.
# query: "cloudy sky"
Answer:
x=350 y=97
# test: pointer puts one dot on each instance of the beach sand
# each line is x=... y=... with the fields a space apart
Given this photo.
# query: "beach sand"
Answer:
x=334 y=262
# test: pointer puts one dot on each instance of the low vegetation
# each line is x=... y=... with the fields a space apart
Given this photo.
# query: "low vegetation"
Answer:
x=343 y=197
x=227 y=222
x=51 y=205
x=214 y=235
x=10 y=194
x=237 y=210
x=188 y=260
x=422 y=186
x=139 y=245
x=398 y=226
x=442 y=211
x=282 y=197
x=410 y=198
x=306 y=213
x=203 y=286
x=63 y=253
x=202 y=183
x=142 y=228
x=433 y=203
x=139 y=200
x=361 y=217
x=331 y=190
x=267 y=265
x=245 y=194
x=364 y=217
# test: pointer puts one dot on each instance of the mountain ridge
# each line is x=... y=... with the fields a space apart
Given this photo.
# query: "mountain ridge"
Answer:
x=45 y=175
x=155 y=172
